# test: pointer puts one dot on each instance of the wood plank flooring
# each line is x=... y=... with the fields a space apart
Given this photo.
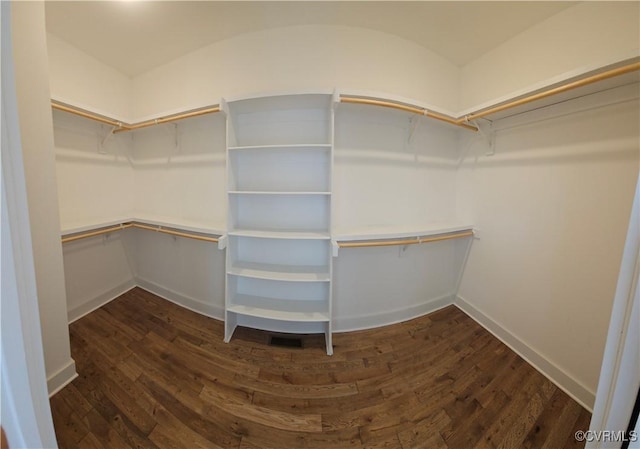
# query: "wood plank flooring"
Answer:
x=155 y=375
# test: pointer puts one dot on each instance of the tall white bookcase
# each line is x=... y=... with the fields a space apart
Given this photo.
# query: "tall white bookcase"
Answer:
x=279 y=259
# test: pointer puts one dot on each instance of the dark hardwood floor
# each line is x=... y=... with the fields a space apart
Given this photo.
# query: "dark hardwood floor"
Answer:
x=155 y=375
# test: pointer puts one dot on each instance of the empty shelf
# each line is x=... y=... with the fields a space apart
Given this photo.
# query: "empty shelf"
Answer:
x=279 y=309
x=281 y=272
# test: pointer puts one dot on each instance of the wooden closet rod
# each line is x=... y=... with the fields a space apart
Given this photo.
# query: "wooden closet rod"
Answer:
x=464 y=121
x=177 y=233
x=84 y=235
x=121 y=126
x=407 y=108
x=86 y=114
x=554 y=91
x=169 y=118
x=403 y=242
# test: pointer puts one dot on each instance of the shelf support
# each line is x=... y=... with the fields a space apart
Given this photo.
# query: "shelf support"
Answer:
x=102 y=141
x=335 y=248
x=486 y=131
x=413 y=124
x=175 y=136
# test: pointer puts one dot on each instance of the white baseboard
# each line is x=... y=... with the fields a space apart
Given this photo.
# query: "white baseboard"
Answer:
x=61 y=378
x=554 y=373
x=108 y=296
x=210 y=310
x=387 y=317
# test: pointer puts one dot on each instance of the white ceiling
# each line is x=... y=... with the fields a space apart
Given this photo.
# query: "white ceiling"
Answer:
x=136 y=36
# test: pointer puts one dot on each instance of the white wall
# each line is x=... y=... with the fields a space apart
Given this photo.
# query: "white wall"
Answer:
x=95 y=187
x=188 y=272
x=384 y=285
x=297 y=58
x=32 y=88
x=81 y=80
x=95 y=179
x=97 y=270
x=180 y=172
x=180 y=178
x=141 y=175
x=552 y=207
x=25 y=414
x=578 y=39
x=393 y=170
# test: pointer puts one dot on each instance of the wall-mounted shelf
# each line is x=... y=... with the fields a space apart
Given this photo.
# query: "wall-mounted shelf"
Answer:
x=284 y=148
x=624 y=72
x=120 y=126
x=77 y=228
x=73 y=234
x=271 y=116
x=256 y=192
x=398 y=232
x=305 y=312
x=294 y=273
x=280 y=234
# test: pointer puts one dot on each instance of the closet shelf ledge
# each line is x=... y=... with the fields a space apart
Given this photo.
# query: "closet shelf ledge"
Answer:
x=390 y=232
x=172 y=228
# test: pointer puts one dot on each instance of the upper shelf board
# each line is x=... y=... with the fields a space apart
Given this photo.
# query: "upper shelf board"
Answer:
x=632 y=77
x=397 y=232
x=280 y=102
x=285 y=147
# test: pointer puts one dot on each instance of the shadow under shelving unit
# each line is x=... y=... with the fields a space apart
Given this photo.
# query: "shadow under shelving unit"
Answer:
x=279 y=267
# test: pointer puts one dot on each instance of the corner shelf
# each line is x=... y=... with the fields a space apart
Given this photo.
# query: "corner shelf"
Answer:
x=283 y=148
x=281 y=310
x=294 y=273
x=279 y=264
x=263 y=192
x=398 y=232
x=276 y=234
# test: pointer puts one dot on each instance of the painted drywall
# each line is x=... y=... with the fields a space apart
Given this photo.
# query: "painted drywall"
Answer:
x=173 y=173
x=95 y=187
x=188 y=272
x=94 y=172
x=180 y=172
x=552 y=207
x=392 y=168
x=81 y=80
x=36 y=128
x=297 y=58
x=578 y=39
x=25 y=411
x=180 y=178
x=97 y=270
x=383 y=285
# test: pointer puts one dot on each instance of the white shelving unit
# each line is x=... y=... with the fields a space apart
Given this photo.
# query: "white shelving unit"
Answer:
x=279 y=265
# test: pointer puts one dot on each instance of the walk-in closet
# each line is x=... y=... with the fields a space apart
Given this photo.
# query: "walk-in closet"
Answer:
x=321 y=224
